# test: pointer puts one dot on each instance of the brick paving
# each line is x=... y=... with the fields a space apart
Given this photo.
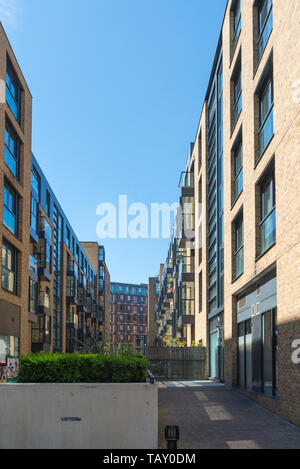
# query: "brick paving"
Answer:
x=211 y=416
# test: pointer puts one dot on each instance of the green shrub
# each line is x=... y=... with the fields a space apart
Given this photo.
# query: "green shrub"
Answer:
x=82 y=368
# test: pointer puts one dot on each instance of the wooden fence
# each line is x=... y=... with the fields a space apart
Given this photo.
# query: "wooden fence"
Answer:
x=177 y=362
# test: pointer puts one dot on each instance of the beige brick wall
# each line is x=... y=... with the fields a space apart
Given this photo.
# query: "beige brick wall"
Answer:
x=284 y=147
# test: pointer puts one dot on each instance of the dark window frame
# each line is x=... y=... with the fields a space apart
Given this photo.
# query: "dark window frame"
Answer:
x=268 y=176
x=13 y=78
x=264 y=119
x=15 y=196
x=14 y=267
x=237 y=24
x=12 y=135
x=238 y=244
x=237 y=172
x=262 y=27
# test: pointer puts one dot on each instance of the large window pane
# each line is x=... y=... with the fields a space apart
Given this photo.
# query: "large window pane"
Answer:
x=267 y=198
x=9 y=269
x=236 y=22
x=248 y=353
x=35 y=183
x=237 y=98
x=239 y=263
x=267 y=352
x=268 y=213
x=239 y=247
x=241 y=353
x=10 y=209
x=266 y=133
x=268 y=231
x=13 y=92
x=33 y=297
x=265 y=25
x=11 y=150
x=266 y=101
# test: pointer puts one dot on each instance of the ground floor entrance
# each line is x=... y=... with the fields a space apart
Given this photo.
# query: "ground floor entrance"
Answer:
x=216 y=347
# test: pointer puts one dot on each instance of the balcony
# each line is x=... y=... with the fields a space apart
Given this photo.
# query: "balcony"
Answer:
x=44 y=274
x=72 y=298
x=45 y=230
x=187 y=184
x=44 y=303
x=188 y=320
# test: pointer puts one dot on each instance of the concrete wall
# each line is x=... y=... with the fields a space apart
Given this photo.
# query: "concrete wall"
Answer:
x=111 y=416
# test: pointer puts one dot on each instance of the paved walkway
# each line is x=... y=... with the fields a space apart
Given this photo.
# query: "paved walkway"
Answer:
x=210 y=416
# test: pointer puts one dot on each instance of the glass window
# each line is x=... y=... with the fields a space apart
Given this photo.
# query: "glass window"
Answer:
x=236 y=23
x=237 y=96
x=33 y=265
x=9 y=268
x=35 y=183
x=268 y=214
x=34 y=215
x=48 y=203
x=238 y=171
x=68 y=240
x=239 y=247
x=9 y=347
x=265 y=25
x=12 y=151
x=10 y=209
x=33 y=297
x=266 y=122
x=241 y=354
x=267 y=345
x=13 y=92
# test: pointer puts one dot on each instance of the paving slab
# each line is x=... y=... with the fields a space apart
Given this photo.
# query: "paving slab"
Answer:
x=211 y=416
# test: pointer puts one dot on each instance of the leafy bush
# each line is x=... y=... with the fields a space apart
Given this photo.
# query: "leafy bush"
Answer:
x=82 y=368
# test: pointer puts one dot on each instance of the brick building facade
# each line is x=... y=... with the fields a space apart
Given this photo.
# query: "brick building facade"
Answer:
x=129 y=315
x=244 y=169
x=50 y=295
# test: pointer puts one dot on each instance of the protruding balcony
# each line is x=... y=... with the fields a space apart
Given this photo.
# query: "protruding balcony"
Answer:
x=44 y=303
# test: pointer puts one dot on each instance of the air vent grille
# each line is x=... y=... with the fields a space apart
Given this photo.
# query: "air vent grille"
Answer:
x=242 y=303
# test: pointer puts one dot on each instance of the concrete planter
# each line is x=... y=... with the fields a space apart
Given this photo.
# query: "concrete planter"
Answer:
x=78 y=416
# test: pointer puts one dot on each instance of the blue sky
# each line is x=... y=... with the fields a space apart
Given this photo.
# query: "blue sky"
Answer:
x=118 y=87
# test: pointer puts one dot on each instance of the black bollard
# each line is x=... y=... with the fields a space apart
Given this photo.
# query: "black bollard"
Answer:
x=172 y=436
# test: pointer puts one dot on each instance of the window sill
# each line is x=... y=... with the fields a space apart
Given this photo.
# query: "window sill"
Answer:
x=15 y=177
x=262 y=55
x=265 y=252
x=262 y=155
x=10 y=231
x=235 y=124
x=12 y=118
x=236 y=278
x=10 y=292
x=234 y=48
x=235 y=200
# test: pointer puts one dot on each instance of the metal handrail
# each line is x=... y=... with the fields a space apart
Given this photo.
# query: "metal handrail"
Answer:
x=152 y=378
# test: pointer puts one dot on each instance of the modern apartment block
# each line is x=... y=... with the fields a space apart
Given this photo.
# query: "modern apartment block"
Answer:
x=129 y=315
x=50 y=296
x=244 y=169
x=96 y=255
x=153 y=292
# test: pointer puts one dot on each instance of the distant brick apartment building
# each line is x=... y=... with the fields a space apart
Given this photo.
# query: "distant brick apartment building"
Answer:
x=239 y=293
x=129 y=315
x=51 y=293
